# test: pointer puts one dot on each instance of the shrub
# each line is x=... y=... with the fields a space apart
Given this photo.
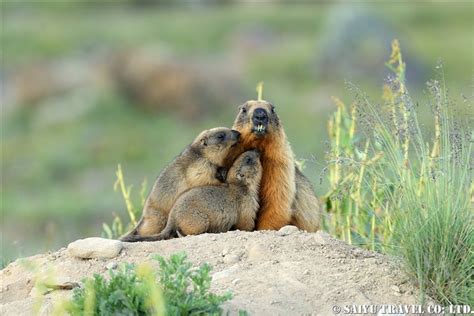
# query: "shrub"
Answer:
x=131 y=290
x=177 y=276
x=406 y=190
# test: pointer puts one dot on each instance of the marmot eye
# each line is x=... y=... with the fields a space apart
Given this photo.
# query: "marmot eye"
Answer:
x=273 y=109
x=221 y=136
x=244 y=110
x=248 y=161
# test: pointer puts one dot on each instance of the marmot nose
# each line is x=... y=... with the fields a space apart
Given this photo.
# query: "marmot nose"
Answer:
x=260 y=116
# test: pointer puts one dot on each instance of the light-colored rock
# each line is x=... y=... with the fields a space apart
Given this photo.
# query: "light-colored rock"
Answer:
x=235 y=281
x=231 y=259
x=225 y=273
x=288 y=230
x=95 y=247
x=111 y=265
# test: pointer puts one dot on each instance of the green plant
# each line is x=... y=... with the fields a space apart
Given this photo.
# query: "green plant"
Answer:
x=133 y=290
x=186 y=290
x=118 y=228
x=407 y=190
x=126 y=293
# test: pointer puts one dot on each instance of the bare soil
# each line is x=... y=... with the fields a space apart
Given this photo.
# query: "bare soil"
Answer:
x=286 y=272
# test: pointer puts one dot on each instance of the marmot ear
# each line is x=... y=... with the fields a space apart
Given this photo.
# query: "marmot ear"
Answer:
x=204 y=141
x=240 y=176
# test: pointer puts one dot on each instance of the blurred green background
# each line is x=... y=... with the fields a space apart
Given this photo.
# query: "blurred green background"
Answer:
x=88 y=86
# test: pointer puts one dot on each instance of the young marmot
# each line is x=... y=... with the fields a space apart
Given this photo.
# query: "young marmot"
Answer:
x=218 y=208
x=199 y=164
x=286 y=195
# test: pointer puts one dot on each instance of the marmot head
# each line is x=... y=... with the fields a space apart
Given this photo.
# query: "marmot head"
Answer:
x=257 y=118
x=246 y=169
x=214 y=144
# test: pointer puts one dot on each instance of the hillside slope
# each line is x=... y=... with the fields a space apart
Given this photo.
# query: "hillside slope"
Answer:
x=288 y=272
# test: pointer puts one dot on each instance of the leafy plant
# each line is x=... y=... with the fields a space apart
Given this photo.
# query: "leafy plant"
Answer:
x=132 y=290
x=406 y=191
x=125 y=293
x=186 y=290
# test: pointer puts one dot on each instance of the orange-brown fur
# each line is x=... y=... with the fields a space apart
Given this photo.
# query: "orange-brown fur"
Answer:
x=286 y=196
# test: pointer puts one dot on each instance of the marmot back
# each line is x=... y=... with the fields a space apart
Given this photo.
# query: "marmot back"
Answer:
x=218 y=208
x=197 y=165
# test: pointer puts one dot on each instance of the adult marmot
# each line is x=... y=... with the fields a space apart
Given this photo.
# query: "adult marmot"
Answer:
x=197 y=165
x=218 y=208
x=286 y=195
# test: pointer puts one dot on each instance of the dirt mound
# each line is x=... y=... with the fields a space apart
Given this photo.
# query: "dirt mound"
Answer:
x=285 y=272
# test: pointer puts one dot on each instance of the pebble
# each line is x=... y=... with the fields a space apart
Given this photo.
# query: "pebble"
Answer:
x=319 y=239
x=225 y=273
x=95 y=247
x=287 y=230
x=231 y=259
x=395 y=288
x=235 y=281
x=111 y=265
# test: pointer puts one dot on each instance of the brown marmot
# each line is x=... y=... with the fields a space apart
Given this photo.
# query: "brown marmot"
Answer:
x=286 y=195
x=199 y=164
x=218 y=208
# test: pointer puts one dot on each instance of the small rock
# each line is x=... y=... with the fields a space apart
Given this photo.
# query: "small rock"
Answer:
x=95 y=247
x=225 y=273
x=235 y=281
x=111 y=265
x=287 y=230
x=231 y=259
x=395 y=288
x=306 y=272
x=225 y=252
x=319 y=238
x=256 y=252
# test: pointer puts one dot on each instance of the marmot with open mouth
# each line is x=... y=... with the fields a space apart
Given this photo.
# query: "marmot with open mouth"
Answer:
x=286 y=195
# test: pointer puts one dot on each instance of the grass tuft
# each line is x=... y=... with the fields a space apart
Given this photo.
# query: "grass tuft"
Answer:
x=118 y=228
x=402 y=188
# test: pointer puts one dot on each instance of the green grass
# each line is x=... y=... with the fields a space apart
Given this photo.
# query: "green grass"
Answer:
x=407 y=190
x=133 y=290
